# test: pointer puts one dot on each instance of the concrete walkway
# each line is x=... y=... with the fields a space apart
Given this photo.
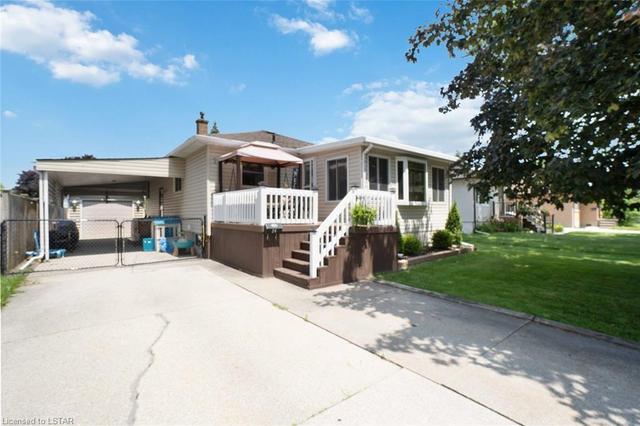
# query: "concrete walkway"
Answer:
x=196 y=342
x=184 y=343
x=530 y=373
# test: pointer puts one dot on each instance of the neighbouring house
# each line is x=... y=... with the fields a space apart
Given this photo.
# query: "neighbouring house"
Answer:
x=474 y=211
x=269 y=204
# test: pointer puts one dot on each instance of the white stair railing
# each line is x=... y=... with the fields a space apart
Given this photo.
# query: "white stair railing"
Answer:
x=324 y=240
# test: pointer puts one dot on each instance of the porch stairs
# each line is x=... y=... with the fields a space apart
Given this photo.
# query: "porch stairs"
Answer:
x=295 y=269
x=320 y=261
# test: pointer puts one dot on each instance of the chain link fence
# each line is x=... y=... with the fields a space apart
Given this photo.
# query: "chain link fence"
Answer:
x=82 y=244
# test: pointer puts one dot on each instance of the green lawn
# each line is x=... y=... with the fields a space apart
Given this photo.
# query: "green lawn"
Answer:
x=9 y=283
x=585 y=279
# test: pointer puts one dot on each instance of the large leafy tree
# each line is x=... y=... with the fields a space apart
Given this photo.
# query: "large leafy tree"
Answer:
x=27 y=183
x=560 y=84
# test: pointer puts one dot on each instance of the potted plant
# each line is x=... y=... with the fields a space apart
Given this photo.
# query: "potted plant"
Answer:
x=363 y=216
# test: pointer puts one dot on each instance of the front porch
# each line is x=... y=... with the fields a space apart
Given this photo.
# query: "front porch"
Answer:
x=275 y=232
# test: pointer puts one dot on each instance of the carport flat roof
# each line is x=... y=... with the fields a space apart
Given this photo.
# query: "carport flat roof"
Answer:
x=147 y=167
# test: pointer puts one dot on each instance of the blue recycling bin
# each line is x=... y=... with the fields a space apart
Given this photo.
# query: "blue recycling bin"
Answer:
x=147 y=244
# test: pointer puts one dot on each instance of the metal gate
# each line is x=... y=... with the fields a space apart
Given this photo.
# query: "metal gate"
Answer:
x=96 y=243
x=159 y=240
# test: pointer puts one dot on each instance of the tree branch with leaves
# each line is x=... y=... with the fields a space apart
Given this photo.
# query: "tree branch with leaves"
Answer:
x=560 y=84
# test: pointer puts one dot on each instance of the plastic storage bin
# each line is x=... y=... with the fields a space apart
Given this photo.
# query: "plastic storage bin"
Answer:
x=147 y=244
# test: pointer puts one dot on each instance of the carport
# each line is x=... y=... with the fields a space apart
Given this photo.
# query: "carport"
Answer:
x=103 y=197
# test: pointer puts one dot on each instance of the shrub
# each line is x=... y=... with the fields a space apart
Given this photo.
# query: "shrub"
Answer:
x=411 y=245
x=442 y=239
x=454 y=224
x=558 y=228
x=499 y=226
x=362 y=215
x=509 y=227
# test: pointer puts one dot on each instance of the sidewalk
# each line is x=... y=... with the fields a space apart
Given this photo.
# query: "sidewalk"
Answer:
x=528 y=372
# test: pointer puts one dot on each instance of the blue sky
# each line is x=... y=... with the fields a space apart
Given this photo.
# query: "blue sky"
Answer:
x=128 y=78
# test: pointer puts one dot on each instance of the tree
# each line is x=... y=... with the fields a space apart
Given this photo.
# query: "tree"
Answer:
x=454 y=224
x=27 y=183
x=214 y=129
x=561 y=96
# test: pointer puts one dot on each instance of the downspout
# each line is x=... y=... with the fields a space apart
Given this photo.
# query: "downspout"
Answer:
x=364 y=166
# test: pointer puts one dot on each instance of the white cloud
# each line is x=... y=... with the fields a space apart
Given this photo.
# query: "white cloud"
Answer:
x=88 y=74
x=322 y=9
x=360 y=14
x=372 y=86
x=65 y=41
x=237 y=88
x=355 y=87
x=189 y=62
x=411 y=116
x=9 y=114
x=322 y=39
x=320 y=5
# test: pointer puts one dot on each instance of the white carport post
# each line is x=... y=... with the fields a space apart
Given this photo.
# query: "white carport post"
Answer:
x=43 y=203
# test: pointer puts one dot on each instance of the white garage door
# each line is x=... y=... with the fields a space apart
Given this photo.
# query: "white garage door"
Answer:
x=99 y=218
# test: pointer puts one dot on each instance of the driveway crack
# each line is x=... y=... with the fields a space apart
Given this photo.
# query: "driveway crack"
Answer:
x=135 y=391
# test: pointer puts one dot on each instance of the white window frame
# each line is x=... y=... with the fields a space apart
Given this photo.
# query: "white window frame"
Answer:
x=444 y=191
x=313 y=183
x=326 y=176
x=175 y=179
x=389 y=161
x=403 y=199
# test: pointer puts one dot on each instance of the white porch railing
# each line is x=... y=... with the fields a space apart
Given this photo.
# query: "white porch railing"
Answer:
x=327 y=236
x=264 y=205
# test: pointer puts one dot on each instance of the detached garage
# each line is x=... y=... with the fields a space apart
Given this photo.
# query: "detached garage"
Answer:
x=98 y=218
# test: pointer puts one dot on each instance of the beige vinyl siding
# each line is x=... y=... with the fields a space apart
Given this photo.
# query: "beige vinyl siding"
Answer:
x=194 y=185
x=156 y=167
x=354 y=174
x=191 y=202
x=172 y=200
x=422 y=221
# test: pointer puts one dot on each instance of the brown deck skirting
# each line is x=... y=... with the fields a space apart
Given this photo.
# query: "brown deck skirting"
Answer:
x=251 y=249
x=367 y=251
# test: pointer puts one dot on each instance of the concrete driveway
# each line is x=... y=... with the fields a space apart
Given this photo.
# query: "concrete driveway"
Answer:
x=183 y=343
x=197 y=342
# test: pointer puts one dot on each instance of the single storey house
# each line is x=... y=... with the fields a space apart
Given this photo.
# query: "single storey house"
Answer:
x=262 y=183
x=474 y=211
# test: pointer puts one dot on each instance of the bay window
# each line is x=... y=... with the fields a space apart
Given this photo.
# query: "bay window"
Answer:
x=417 y=181
x=411 y=176
x=438 y=184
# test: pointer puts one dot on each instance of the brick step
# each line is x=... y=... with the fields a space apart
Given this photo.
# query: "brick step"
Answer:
x=301 y=266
